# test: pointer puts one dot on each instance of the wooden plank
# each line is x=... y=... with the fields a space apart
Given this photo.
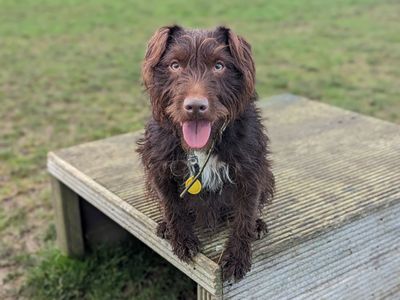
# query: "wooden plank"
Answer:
x=333 y=167
x=354 y=158
x=68 y=219
x=203 y=294
x=202 y=270
x=360 y=260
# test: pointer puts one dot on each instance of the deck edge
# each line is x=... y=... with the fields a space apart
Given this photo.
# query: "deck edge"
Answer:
x=203 y=270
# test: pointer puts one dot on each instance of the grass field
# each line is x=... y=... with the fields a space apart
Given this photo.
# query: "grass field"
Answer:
x=70 y=73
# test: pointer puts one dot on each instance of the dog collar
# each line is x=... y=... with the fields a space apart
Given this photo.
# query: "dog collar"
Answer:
x=193 y=184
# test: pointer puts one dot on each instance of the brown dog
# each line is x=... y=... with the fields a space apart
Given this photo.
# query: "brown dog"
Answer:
x=205 y=126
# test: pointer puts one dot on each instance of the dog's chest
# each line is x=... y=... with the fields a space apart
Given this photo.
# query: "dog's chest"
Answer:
x=215 y=173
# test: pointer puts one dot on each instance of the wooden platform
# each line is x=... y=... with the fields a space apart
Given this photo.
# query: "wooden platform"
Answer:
x=334 y=223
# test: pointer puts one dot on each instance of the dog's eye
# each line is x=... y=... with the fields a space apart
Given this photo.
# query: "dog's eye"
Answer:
x=174 y=66
x=219 y=66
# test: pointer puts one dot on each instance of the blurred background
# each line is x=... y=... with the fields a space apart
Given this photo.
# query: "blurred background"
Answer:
x=70 y=73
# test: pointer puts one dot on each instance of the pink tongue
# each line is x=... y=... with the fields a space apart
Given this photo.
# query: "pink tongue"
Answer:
x=196 y=133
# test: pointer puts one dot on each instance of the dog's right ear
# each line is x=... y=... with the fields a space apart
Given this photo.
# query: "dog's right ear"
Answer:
x=155 y=49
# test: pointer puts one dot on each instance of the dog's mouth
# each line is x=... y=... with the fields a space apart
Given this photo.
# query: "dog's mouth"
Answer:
x=196 y=133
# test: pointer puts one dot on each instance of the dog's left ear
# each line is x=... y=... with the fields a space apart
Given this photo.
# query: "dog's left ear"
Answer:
x=240 y=50
x=155 y=49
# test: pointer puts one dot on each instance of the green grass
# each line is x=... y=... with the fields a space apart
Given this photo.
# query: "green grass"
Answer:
x=129 y=271
x=70 y=73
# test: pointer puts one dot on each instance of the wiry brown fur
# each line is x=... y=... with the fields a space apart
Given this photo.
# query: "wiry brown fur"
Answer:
x=243 y=145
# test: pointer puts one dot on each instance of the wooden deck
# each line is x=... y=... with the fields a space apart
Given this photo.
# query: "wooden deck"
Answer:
x=334 y=223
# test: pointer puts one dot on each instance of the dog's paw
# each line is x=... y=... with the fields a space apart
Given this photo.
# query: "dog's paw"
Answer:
x=236 y=262
x=261 y=228
x=162 y=230
x=234 y=267
x=186 y=247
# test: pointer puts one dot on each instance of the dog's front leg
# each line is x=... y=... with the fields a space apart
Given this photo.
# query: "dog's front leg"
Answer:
x=236 y=259
x=177 y=226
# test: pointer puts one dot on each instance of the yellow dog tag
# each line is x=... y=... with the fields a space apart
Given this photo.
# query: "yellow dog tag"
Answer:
x=195 y=188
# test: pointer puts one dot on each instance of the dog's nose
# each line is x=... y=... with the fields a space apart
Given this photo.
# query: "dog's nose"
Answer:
x=195 y=105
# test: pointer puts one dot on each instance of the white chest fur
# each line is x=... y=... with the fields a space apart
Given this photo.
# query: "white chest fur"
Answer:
x=215 y=173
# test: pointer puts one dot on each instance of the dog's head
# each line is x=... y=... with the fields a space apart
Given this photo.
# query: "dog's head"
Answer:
x=198 y=79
